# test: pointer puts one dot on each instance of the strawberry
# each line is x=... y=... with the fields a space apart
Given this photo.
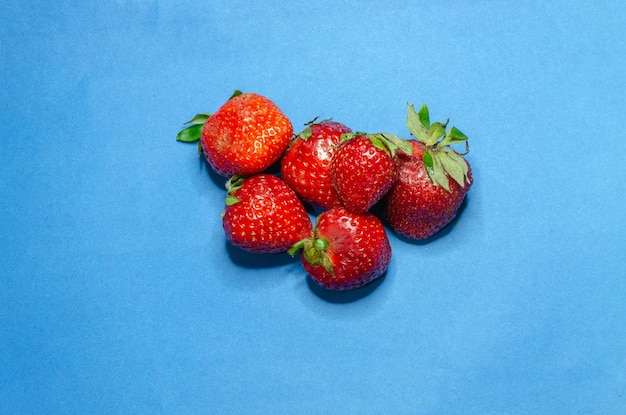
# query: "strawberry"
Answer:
x=245 y=136
x=364 y=168
x=305 y=166
x=263 y=214
x=432 y=182
x=346 y=250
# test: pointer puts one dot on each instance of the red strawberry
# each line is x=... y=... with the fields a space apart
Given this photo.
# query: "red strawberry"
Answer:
x=347 y=250
x=432 y=182
x=264 y=215
x=245 y=136
x=305 y=166
x=364 y=168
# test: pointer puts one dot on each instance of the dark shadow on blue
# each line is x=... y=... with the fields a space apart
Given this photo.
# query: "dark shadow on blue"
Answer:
x=344 y=297
x=252 y=260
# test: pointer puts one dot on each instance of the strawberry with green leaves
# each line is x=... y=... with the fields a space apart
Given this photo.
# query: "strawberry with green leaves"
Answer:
x=365 y=167
x=432 y=182
x=305 y=166
x=346 y=250
x=245 y=136
x=263 y=215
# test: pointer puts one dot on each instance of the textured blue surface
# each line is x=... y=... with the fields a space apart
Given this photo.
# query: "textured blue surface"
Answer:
x=119 y=293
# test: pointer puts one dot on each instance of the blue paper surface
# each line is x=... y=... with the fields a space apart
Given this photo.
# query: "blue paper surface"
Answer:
x=119 y=293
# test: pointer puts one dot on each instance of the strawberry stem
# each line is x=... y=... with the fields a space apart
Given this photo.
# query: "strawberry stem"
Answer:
x=295 y=248
x=314 y=251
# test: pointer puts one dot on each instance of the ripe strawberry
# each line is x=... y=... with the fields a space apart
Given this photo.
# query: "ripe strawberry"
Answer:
x=347 y=250
x=263 y=215
x=245 y=136
x=305 y=166
x=364 y=168
x=432 y=182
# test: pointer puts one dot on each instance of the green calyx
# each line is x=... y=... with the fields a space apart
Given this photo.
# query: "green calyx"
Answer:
x=193 y=132
x=236 y=93
x=232 y=185
x=386 y=142
x=440 y=160
x=307 y=132
x=315 y=252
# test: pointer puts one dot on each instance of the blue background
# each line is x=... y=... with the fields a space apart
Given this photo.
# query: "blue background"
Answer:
x=119 y=293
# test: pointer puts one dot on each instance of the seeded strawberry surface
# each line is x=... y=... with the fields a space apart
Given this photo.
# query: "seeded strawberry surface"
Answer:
x=245 y=136
x=355 y=250
x=362 y=173
x=415 y=206
x=266 y=217
x=421 y=182
x=305 y=166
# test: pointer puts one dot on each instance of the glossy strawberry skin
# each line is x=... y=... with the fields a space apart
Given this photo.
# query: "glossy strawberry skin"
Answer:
x=305 y=166
x=415 y=207
x=358 y=249
x=245 y=136
x=362 y=173
x=269 y=218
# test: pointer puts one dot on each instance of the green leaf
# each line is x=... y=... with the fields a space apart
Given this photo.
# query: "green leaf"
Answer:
x=349 y=136
x=378 y=143
x=427 y=158
x=236 y=93
x=437 y=130
x=424 y=116
x=404 y=145
x=452 y=167
x=306 y=133
x=415 y=125
x=295 y=248
x=198 y=119
x=438 y=174
x=190 y=134
x=457 y=135
x=328 y=266
x=453 y=136
x=234 y=183
x=462 y=163
x=311 y=255
x=231 y=200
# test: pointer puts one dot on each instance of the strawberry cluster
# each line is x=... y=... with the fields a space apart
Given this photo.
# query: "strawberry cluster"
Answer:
x=419 y=184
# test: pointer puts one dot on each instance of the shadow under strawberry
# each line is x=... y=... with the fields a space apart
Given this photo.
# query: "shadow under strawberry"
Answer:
x=344 y=297
x=218 y=180
x=251 y=260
